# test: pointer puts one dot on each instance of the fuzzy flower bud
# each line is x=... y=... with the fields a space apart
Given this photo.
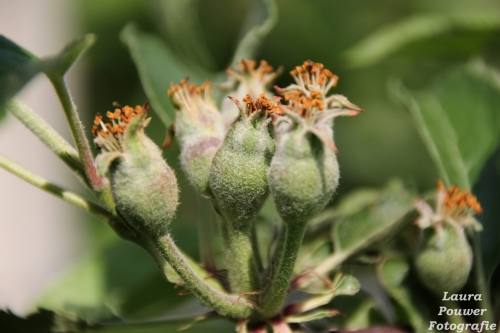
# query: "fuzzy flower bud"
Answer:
x=304 y=172
x=199 y=129
x=143 y=185
x=249 y=79
x=444 y=258
x=238 y=176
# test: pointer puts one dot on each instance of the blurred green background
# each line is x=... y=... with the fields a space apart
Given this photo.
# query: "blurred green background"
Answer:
x=365 y=43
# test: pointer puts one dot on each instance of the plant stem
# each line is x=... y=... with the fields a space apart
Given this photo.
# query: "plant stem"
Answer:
x=280 y=279
x=68 y=196
x=240 y=262
x=256 y=250
x=226 y=305
x=99 y=185
x=47 y=135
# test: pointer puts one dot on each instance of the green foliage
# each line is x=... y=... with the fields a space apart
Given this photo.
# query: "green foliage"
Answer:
x=436 y=34
x=458 y=120
x=157 y=67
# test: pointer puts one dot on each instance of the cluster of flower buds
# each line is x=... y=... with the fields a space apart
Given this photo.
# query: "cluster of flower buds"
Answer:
x=234 y=168
x=444 y=258
x=235 y=160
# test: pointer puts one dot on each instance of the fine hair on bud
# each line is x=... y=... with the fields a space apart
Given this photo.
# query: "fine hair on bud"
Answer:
x=199 y=129
x=304 y=172
x=238 y=176
x=144 y=187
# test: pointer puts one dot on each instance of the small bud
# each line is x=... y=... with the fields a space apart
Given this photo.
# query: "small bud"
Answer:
x=444 y=259
x=199 y=128
x=143 y=185
x=250 y=80
x=304 y=172
x=238 y=176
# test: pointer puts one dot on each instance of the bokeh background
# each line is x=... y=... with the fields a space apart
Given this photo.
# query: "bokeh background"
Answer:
x=53 y=255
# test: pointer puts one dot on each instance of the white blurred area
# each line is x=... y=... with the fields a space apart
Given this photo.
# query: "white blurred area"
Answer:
x=40 y=235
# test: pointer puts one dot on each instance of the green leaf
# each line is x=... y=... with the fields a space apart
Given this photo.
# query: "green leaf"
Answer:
x=487 y=190
x=43 y=321
x=121 y=276
x=393 y=274
x=313 y=315
x=250 y=43
x=183 y=26
x=72 y=51
x=18 y=66
x=372 y=222
x=458 y=119
x=423 y=27
x=157 y=67
x=343 y=285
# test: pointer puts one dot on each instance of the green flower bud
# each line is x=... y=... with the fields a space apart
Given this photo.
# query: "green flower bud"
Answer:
x=248 y=79
x=199 y=129
x=444 y=259
x=238 y=176
x=143 y=185
x=304 y=172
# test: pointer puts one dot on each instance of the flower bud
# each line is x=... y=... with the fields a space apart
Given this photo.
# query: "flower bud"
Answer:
x=249 y=79
x=304 y=172
x=143 y=185
x=444 y=259
x=199 y=129
x=238 y=176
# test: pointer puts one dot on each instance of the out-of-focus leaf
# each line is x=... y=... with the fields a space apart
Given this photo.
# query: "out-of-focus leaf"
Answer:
x=43 y=321
x=458 y=119
x=249 y=44
x=343 y=285
x=392 y=274
x=72 y=51
x=371 y=223
x=18 y=66
x=487 y=190
x=157 y=67
x=313 y=315
x=183 y=26
x=411 y=30
x=123 y=277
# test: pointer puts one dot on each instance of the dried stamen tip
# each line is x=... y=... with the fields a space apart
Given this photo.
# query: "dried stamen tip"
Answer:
x=314 y=76
x=185 y=94
x=108 y=135
x=262 y=103
x=459 y=202
x=246 y=68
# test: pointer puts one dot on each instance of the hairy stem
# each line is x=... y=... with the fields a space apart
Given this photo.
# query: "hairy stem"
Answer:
x=47 y=135
x=224 y=304
x=68 y=196
x=240 y=262
x=280 y=279
x=99 y=185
